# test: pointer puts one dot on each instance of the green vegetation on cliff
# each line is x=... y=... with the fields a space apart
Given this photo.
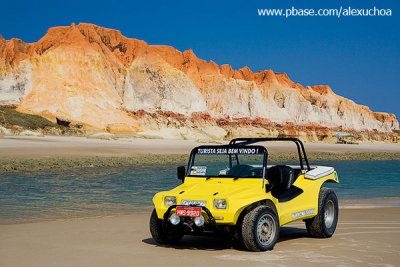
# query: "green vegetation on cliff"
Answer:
x=10 y=117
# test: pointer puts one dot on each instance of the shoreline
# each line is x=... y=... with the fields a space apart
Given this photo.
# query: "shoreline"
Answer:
x=19 y=154
x=10 y=164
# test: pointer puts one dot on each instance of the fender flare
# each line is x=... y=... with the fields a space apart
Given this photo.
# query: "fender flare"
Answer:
x=242 y=211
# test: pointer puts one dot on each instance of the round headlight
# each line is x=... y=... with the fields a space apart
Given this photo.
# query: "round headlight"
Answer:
x=199 y=221
x=220 y=203
x=169 y=201
x=174 y=219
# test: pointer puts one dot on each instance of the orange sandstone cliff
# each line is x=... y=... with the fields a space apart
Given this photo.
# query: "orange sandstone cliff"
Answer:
x=103 y=80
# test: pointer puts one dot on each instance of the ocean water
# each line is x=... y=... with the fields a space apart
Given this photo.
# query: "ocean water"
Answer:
x=103 y=191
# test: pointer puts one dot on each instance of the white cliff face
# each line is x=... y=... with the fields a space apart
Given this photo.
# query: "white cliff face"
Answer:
x=153 y=87
x=15 y=84
x=97 y=77
x=233 y=98
x=239 y=99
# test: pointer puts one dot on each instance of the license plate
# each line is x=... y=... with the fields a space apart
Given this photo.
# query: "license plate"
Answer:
x=188 y=211
x=193 y=202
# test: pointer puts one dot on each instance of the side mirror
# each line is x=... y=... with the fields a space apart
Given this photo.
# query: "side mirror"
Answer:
x=181 y=172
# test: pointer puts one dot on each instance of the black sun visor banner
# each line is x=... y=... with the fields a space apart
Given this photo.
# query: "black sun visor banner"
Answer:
x=229 y=150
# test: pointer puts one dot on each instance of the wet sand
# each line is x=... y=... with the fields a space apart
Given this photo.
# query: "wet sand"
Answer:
x=40 y=153
x=363 y=237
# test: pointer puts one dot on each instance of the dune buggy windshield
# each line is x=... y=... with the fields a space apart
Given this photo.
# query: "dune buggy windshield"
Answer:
x=227 y=161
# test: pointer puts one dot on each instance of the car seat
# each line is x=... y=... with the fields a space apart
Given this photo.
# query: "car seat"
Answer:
x=281 y=178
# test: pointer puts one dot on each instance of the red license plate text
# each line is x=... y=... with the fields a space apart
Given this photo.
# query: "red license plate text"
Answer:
x=188 y=211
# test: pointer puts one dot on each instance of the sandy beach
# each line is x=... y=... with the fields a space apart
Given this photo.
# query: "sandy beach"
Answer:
x=367 y=234
x=363 y=237
x=52 y=146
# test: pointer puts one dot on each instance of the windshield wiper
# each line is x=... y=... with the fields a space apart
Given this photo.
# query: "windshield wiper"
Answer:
x=230 y=176
x=237 y=177
x=224 y=176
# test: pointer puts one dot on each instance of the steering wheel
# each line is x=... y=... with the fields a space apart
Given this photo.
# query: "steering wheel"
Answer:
x=240 y=170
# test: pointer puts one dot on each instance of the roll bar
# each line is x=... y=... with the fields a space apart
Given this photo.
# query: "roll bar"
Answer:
x=243 y=141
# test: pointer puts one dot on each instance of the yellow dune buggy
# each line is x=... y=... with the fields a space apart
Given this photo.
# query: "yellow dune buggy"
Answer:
x=232 y=189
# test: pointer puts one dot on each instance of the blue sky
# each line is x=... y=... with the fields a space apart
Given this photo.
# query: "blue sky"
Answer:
x=359 y=57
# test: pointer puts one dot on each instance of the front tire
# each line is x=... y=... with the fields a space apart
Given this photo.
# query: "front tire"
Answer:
x=324 y=224
x=161 y=234
x=260 y=229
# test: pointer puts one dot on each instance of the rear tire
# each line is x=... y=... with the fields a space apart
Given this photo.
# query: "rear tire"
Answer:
x=163 y=235
x=260 y=229
x=323 y=225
